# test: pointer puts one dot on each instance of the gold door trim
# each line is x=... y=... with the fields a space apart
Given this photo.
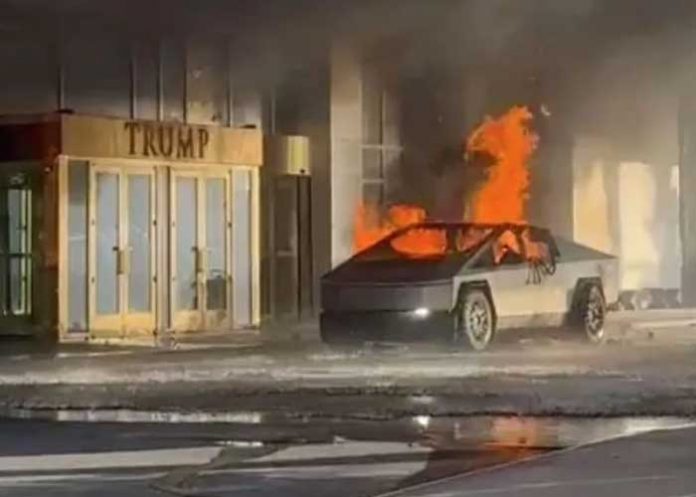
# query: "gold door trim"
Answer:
x=183 y=320
x=200 y=318
x=122 y=322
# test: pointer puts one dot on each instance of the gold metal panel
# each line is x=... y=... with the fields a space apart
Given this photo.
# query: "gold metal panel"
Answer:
x=85 y=136
x=288 y=155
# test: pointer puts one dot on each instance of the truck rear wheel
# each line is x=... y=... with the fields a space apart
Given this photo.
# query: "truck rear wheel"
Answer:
x=590 y=312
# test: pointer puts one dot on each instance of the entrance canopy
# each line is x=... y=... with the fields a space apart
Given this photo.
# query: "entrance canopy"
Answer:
x=41 y=137
x=141 y=226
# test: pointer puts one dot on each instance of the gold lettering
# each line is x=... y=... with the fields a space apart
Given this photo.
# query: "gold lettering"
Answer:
x=149 y=141
x=184 y=146
x=132 y=129
x=165 y=134
x=203 y=140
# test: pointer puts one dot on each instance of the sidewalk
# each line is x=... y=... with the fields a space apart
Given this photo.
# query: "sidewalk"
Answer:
x=655 y=464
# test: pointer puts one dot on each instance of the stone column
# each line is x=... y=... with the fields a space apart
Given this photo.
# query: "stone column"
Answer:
x=687 y=198
x=346 y=138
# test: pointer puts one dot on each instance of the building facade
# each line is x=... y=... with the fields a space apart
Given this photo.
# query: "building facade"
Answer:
x=175 y=116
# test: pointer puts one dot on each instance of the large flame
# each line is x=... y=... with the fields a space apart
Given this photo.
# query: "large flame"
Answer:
x=421 y=243
x=501 y=199
x=370 y=226
x=509 y=142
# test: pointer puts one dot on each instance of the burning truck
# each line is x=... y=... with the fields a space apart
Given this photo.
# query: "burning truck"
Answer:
x=416 y=279
x=482 y=278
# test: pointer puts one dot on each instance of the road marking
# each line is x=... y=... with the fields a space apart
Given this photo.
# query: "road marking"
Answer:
x=28 y=480
x=103 y=460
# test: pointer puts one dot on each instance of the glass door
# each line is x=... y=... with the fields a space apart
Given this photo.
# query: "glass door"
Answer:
x=200 y=265
x=138 y=234
x=122 y=257
x=16 y=256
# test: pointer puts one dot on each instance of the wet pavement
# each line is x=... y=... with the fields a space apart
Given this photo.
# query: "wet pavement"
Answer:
x=532 y=374
x=280 y=457
x=303 y=419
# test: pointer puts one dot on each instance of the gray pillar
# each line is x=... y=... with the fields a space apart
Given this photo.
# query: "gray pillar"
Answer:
x=687 y=197
x=346 y=155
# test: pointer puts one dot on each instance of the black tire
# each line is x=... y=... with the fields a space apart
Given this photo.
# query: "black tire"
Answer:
x=590 y=312
x=475 y=323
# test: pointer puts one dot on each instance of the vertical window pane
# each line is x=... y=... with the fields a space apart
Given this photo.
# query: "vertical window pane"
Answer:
x=15 y=215
x=241 y=254
x=390 y=120
x=77 y=245
x=216 y=277
x=107 y=243
x=372 y=163
x=186 y=245
x=373 y=194
x=16 y=254
x=372 y=111
x=17 y=285
x=139 y=243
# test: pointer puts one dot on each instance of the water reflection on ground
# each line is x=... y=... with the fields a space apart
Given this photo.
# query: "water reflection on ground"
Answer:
x=270 y=455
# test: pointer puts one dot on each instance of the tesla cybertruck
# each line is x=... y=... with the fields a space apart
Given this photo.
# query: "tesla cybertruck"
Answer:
x=464 y=282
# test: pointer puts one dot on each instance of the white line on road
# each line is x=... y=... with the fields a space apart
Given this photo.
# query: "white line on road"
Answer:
x=27 y=480
x=103 y=460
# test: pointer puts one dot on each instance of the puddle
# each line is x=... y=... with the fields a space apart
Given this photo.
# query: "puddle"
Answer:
x=342 y=458
x=132 y=416
x=446 y=433
x=543 y=433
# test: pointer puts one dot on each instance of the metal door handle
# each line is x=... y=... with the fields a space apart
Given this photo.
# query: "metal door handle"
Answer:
x=123 y=261
x=201 y=260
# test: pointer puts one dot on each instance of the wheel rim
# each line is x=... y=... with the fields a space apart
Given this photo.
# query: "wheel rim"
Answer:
x=594 y=315
x=478 y=322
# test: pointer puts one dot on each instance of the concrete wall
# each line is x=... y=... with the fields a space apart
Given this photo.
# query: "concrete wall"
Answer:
x=625 y=155
x=595 y=196
x=649 y=226
x=630 y=209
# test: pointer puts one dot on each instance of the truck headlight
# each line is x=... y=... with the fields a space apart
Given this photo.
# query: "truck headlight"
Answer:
x=422 y=312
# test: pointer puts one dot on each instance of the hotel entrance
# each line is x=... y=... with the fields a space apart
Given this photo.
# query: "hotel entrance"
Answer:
x=144 y=228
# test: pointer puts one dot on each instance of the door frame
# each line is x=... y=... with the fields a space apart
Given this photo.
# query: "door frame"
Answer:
x=200 y=318
x=122 y=322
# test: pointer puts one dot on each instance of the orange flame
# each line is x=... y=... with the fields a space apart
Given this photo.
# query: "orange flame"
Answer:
x=501 y=199
x=421 y=243
x=369 y=227
x=508 y=141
